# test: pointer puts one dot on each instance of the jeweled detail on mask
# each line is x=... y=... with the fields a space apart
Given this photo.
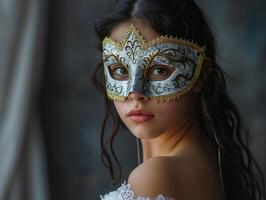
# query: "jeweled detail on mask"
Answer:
x=134 y=58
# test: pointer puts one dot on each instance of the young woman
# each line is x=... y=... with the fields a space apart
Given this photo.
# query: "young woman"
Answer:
x=160 y=79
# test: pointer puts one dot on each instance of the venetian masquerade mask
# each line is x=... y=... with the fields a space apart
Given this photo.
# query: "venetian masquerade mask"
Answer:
x=162 y=69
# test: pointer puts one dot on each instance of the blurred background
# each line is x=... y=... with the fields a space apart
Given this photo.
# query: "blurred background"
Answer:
x=50 y=114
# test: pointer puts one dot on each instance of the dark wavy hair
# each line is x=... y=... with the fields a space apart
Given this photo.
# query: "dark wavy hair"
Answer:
x=242 y=176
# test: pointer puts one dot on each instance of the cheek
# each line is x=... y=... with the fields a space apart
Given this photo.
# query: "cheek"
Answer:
x=120 y=108
x=175 y=111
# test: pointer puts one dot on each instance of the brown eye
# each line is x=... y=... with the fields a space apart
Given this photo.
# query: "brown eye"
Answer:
x=118 y=72
x=160 y=72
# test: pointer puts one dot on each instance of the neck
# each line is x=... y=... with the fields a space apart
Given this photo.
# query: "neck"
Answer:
x=173 y=141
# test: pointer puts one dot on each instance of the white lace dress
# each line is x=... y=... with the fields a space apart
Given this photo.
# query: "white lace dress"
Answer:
x=124 y=192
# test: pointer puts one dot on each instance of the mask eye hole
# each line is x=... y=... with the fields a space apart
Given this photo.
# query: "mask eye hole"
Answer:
x=118 y=72
x=160 y=72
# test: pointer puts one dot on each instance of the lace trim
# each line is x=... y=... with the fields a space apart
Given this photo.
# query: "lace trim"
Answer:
x=124 y=192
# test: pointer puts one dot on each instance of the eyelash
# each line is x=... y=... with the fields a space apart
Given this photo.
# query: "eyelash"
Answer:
x=115 y=69
x=153 y=69
x=166 y=70
x=118 y=75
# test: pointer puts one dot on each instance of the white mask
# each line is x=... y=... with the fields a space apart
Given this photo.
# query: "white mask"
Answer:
x=162 y=69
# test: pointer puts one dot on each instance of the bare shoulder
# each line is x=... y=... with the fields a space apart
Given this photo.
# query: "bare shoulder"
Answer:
x=171 y=177
x=153 y=177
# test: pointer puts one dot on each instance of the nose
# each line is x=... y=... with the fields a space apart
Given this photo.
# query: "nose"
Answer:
x=137 y=96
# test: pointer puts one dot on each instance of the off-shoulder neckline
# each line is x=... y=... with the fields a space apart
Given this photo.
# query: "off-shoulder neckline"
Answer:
x=126 y=193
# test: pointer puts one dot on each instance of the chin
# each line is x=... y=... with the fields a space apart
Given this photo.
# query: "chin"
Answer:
x=145 y=134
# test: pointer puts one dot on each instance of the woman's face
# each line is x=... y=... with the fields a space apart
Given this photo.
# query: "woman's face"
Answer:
x=144 y=117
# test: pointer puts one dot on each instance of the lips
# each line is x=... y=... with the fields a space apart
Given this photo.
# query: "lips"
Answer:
x=139 y=115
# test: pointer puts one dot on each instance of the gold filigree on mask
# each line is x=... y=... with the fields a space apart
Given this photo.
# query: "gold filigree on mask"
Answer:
x=172 y=50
